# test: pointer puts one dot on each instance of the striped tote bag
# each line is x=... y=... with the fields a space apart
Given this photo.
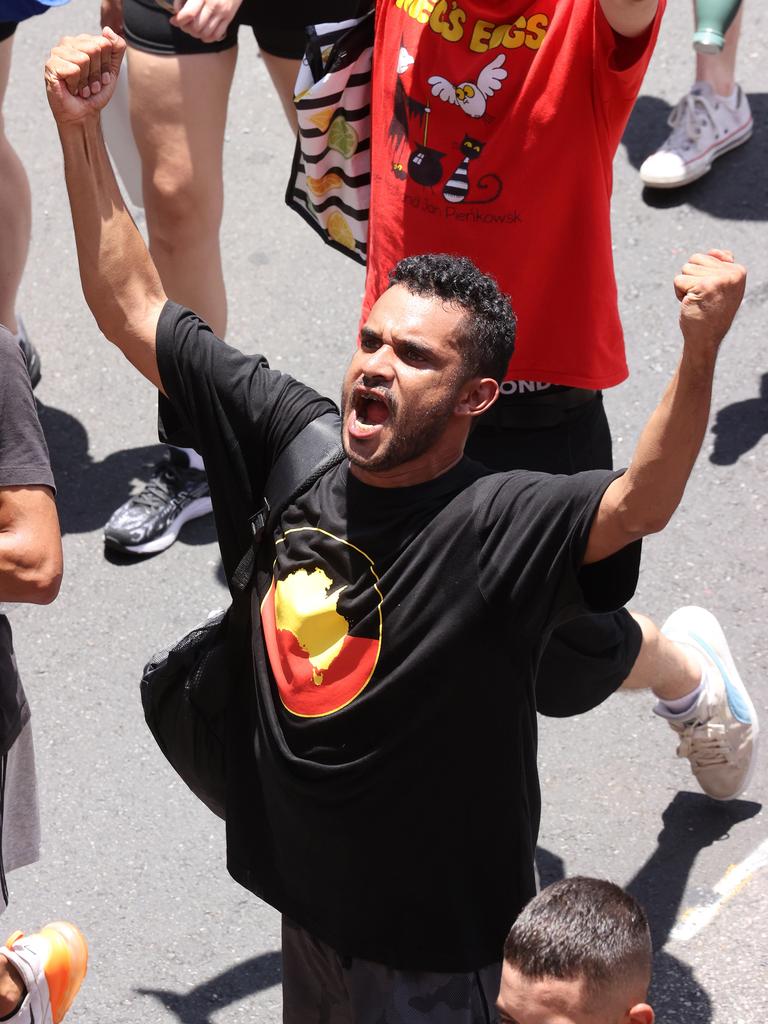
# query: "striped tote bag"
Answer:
x=330 y=180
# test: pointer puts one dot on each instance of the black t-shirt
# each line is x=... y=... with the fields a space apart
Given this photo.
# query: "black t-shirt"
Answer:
x=392 y=804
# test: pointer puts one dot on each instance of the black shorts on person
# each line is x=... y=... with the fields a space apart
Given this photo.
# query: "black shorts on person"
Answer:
x=7 y=28
x=563 y=430
x=278 y=31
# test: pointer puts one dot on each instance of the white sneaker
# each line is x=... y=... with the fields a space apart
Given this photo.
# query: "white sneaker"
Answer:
x=704 y=126
x=718 y=734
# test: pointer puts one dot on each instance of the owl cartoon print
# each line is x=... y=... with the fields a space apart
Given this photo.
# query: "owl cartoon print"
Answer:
x=472 y=97
x=456 y=77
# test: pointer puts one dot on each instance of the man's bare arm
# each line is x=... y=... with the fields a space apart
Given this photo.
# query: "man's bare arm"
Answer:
x=629 y=18
x=120 y=282
x=30 y=545
x=644 y=499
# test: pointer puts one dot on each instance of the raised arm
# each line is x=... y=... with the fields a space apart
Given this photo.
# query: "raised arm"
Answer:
x=629 y=17
x=120 y=282
x=643 y=500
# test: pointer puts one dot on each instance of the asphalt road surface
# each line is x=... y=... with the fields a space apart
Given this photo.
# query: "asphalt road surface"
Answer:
x=128 y=852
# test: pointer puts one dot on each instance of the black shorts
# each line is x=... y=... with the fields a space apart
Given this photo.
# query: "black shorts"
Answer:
x=7 y=28
x=588 y=658
x=278 y=31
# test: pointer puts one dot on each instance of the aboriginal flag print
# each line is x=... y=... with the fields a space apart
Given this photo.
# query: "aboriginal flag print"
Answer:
x=322 y=621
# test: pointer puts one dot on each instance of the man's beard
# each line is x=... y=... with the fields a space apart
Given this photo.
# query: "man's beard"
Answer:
x=410 y=437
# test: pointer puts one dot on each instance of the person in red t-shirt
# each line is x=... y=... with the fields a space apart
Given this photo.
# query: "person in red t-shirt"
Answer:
x=494 y=131
x=494 y=128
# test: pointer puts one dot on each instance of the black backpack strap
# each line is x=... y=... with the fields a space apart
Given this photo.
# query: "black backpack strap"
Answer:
x=314 y=450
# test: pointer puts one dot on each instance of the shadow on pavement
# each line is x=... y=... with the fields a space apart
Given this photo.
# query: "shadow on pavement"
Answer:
x=88 y=492
x=734 y=189
x=199 y=1004
x=690 y=823
x=740 y=426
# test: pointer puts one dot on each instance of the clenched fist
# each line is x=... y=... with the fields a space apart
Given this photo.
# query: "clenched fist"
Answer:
x=710 y=288
x=81 y=73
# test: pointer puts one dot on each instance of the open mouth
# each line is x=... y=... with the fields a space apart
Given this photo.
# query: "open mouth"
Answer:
x=370 y=411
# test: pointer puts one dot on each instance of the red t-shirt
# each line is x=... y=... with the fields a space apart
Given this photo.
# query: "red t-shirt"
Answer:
x=494 y=129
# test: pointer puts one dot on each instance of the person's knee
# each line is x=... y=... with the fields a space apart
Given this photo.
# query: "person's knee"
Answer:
x=184 y=209
x=648 y=628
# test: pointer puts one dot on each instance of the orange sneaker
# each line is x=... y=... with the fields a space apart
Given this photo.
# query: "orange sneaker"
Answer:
x=52 y=964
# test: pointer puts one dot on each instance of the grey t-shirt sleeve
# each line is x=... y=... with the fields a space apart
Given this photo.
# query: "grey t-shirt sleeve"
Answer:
x=24 y=460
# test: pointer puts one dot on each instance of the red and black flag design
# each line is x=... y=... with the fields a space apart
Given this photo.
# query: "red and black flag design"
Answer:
x=322 y=621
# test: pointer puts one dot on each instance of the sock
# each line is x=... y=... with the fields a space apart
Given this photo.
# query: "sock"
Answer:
x=195 y=459
x=681 y=705
x=733 y=99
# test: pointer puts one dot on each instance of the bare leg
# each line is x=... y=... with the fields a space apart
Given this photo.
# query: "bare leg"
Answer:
x=719 y=69
x=662 y=666
x=283 y=72
x=15 y=209
x=178 y=114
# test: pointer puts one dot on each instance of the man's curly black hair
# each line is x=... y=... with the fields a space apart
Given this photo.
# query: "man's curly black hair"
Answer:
x=487 y=338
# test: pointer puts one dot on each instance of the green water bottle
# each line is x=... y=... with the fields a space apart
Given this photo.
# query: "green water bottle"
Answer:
x=712 y=20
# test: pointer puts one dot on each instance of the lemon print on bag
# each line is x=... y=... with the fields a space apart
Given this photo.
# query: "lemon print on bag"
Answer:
x=319 y=186
x=343 y=138
x=322 y=118
x=339 y=230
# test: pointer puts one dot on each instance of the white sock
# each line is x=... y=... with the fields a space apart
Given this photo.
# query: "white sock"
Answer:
x=195 y=459
x=733 y=99
x=680 y=705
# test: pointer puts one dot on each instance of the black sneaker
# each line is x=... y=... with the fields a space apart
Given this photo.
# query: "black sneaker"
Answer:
x=151 y=520
x=31 y=354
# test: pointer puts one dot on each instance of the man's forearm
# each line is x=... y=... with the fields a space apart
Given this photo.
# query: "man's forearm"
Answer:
x=120 y=282
x=710 y=288
x=653 y=486
x=643 y=500
x=30 y=545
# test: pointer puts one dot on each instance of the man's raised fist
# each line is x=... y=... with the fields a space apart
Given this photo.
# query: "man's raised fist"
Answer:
x=81 y=73
x=710 y=288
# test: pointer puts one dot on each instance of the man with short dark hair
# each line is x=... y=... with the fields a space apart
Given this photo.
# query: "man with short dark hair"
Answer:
x=404 y=598
x=579 y=952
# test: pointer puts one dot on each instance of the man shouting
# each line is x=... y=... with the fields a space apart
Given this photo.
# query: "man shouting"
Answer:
x=406 y=601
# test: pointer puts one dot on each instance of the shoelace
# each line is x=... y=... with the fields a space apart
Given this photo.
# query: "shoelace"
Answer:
x=704 y=745
x=159 y=488
x=687 y=120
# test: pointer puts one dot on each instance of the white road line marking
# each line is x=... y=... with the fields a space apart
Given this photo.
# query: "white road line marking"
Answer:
x=695 y=919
